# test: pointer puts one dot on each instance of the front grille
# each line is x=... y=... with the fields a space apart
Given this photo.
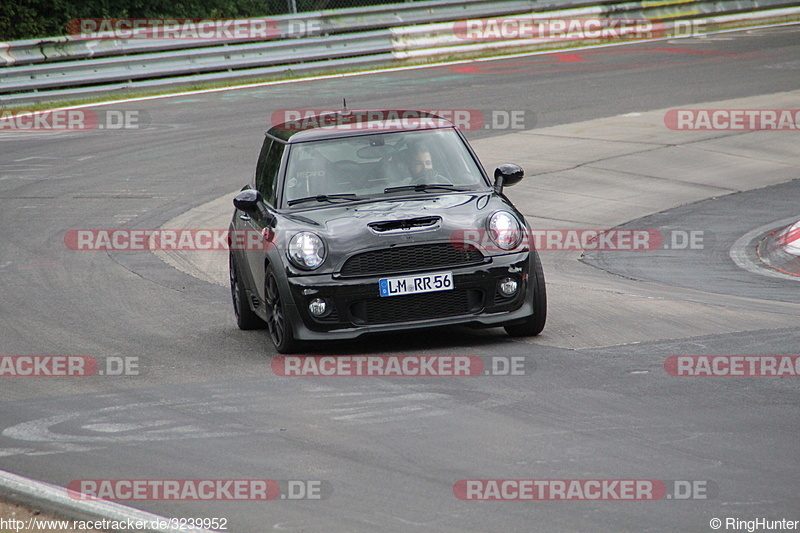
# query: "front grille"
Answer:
x=423 y=306
x=410 y=258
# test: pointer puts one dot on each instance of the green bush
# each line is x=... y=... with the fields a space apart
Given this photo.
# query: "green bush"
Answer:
x=28 y=19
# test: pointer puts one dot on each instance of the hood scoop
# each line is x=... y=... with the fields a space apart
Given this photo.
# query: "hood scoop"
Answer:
x=406 y=225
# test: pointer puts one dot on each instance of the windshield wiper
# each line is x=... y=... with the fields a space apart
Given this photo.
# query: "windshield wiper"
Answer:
x=325 y=198
x=425 y=187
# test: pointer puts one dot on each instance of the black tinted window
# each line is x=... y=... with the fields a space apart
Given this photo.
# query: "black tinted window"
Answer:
x=269 y=162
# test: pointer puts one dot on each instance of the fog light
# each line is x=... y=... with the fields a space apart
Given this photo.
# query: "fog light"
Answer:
x=508 y=287
x=318 y=307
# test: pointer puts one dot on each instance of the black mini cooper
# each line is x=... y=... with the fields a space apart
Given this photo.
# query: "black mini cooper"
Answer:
x=371 y=221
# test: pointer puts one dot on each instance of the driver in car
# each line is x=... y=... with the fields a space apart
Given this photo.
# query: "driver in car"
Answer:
x=420 y=166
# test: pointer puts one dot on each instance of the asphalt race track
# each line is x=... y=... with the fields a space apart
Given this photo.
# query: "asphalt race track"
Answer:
x=595 y=402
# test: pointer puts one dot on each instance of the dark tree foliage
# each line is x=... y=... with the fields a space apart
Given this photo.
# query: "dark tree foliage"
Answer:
x=28 y=19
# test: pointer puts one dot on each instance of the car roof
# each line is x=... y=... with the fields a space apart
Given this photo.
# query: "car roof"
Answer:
x=325 y=125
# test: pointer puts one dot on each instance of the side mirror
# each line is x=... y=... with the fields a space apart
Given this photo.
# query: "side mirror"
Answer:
x=249 y=201
x=507 y=175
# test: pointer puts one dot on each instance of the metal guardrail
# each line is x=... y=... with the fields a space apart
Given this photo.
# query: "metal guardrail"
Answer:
x=339 y=49
x=423 y=41
x=321 y=23
x=318 y=23
x=176 y=63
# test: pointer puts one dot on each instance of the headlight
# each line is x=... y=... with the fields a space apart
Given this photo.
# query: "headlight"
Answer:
x=504 y=229
x=306 y=250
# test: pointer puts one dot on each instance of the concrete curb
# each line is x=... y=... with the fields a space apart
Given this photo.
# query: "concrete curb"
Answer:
x=780 y=250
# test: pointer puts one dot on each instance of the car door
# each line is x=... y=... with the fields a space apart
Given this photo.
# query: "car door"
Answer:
x=266 y=182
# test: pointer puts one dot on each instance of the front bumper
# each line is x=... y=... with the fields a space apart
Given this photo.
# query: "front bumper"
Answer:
x=357 y=308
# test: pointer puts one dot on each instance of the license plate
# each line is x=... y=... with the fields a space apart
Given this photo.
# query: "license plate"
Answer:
x=441 y=281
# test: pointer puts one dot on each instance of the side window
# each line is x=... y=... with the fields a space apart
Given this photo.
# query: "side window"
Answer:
x=269 y=162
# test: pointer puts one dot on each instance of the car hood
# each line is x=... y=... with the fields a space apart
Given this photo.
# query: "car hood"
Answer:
x=354 y=228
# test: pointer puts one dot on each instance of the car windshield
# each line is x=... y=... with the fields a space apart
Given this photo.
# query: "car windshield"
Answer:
x=419 y=162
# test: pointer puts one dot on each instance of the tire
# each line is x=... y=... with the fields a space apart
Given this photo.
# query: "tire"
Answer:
x=280 y=330
x=246 y=319
x=534 y=324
